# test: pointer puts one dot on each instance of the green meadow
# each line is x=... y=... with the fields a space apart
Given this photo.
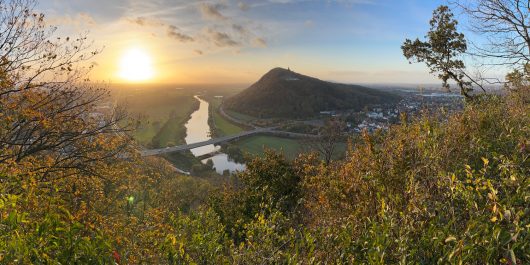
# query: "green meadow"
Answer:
x=158 y=113
x=256 y=145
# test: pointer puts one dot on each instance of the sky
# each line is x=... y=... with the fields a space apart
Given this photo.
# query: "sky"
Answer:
x=237 y=41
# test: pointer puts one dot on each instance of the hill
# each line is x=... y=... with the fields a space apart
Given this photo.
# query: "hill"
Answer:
x=284 y=93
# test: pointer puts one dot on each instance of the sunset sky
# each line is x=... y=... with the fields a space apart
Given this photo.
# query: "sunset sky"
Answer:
x=232 y=41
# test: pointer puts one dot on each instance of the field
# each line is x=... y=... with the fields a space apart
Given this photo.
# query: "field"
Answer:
x=158 y=112
x=255 y=145
x=223 y=126
x=240 y=116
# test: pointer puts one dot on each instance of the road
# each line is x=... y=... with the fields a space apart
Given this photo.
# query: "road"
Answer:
x=233 y=119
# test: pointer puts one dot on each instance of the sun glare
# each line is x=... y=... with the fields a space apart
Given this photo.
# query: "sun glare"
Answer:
x=136 y=65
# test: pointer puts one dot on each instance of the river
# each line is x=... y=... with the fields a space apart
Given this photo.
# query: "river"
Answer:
x=198 y=130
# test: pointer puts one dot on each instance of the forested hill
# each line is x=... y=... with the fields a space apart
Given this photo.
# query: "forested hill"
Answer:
x=284 y=93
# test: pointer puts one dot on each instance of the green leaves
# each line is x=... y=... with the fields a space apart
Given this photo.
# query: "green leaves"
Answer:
x=54 y=239
x=442 y=50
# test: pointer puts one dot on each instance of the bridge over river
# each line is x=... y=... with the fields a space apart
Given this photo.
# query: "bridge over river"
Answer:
x=159 y=151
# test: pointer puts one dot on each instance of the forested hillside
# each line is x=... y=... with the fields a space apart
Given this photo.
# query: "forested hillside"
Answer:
x=284 y=93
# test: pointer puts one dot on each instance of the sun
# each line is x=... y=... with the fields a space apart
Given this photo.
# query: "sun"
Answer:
x=136 y=65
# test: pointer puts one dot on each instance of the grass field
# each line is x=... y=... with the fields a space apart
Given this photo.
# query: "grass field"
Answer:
x=240 y=116
x=161 y=112
x=224 y=126
x=255 y=145
x=291 y=148
x=172 y=133
x=145 y=133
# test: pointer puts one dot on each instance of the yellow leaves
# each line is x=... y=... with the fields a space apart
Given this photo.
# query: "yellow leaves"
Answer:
x=383 y=207
x=469 y=171
x=450 y=239
x=172 y=239
x=492 y=195
x=485 y=161
x=507 y=215
x=261 y=219
x=181 y=249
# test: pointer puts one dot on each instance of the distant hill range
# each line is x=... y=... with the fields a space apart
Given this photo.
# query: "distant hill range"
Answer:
x=286 y=94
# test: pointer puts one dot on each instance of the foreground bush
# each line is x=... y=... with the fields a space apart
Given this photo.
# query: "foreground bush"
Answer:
x=55 y=238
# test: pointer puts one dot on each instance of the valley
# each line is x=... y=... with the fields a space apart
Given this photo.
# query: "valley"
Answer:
x=173 y=116
x=165 y=116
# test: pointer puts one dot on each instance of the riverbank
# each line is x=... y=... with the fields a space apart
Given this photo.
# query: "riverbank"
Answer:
x=202 y=127
x=173 y=132
x=219 y=125
x=175 y=129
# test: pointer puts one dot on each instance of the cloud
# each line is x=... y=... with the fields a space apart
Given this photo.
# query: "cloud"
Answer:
x=240 y=29
x=173 y=33
x=211 y=12
x=249 y=37
x=284 y=1
x=356 y=2
x=143 y=21
x=259 y=42
x=79 y=20
x=220 y=39
x=171 y=30
x=199 y=52
x=243 y=6
x=349 y=2
x=102 y=11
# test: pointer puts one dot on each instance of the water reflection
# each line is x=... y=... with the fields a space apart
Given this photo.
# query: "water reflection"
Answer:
x=198 y=130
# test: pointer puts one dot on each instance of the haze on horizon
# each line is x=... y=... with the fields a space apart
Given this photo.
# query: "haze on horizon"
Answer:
x=237 y=41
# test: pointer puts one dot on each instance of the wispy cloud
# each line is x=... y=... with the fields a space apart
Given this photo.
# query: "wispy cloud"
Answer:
x=142 y=21
x=78 y=20
x=243 y=6
x=329 y=1
x=211 y=12
x=220 y=39
x=240 y=29
x=247 y=36
x=173 y=32
x=259 y=42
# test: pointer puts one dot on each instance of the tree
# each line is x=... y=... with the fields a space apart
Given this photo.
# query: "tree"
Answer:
x=47 y=104
x=61 y=151
x=506 y=27
x=330 y=135
x=518 y=79
x=442 y=51
x=270 y=183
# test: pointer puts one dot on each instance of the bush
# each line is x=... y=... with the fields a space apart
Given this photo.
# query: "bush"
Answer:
x=55 y=238
x=435 y=189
